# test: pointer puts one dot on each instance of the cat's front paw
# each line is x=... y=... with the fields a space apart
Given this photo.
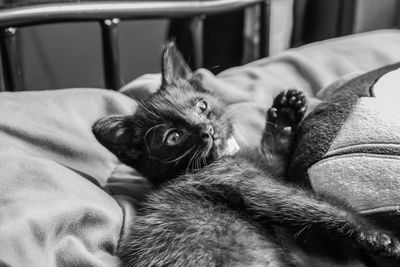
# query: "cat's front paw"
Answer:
x=283 y=117
x=380 y=243
x=287 y=110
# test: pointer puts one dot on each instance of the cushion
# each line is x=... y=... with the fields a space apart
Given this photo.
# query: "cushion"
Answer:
x=348 y=147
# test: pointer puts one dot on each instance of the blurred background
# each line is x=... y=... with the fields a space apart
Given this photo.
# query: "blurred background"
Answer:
x=67 y=55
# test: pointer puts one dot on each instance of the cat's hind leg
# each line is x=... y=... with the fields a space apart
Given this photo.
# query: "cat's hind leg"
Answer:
x=270 y=202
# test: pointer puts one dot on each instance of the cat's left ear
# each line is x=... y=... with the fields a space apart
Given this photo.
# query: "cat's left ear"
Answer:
x=173 y=65
x=115 y=133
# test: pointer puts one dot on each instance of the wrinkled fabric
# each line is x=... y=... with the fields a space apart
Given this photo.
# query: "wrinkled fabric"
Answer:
x=53 y=211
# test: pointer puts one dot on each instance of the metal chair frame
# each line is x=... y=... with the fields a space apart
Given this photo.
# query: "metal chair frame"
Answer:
x=109 y=14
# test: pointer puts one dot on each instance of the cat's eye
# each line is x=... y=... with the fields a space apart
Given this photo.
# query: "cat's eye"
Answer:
x=173 y=138
x=201 y=106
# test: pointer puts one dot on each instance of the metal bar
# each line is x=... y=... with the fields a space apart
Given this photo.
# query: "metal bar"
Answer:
x=44 y=13
x=196 y=30
x=112 y=71
x=10 y=59
x=265 y=21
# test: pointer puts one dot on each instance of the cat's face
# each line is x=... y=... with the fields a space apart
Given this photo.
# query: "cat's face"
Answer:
x=180 y=128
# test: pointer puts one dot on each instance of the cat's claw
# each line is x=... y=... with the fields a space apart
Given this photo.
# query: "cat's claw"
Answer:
x=288 y=109
x=380 y=243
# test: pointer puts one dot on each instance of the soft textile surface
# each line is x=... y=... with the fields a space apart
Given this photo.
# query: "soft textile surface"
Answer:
x=52 y=212
x=351 y=145
x=52 y=209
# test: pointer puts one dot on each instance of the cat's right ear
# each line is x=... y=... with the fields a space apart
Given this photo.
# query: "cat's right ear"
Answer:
x=116 y=134
x=173 y=65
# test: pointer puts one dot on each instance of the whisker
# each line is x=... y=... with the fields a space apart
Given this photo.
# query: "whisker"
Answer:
x=143 y=105
x=181 y=157
x=191 y=160
x=204 y=161
x=196 y=161
x=298 y=233
x=147 y=132
x=230 y=111
x=176 y=160
x=199 y=162
x=267 y=122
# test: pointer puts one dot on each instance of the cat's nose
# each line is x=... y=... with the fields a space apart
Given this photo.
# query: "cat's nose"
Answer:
x=207 y=132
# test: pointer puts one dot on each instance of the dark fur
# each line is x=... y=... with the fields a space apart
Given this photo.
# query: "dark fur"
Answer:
x=230 y=211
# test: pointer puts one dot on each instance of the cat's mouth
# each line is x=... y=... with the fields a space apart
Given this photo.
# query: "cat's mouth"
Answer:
x=220 y=147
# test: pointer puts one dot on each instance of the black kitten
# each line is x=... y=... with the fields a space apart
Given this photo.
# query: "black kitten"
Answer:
x=182 y=127
x=228 y=211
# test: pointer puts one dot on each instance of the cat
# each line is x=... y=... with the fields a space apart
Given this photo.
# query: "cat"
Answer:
x=208 y=208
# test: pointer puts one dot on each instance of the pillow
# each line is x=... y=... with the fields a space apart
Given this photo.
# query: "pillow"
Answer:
x=348 y=147
x=53 y=211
